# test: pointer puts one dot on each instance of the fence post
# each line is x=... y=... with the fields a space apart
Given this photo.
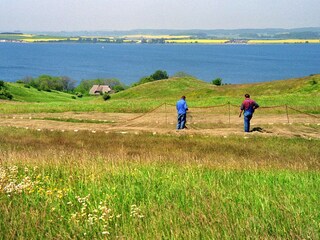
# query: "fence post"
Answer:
x=287 y=113
x=229 y=112
x=165 y=109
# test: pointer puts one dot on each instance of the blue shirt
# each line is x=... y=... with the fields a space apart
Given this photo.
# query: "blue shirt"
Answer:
x=182 y=106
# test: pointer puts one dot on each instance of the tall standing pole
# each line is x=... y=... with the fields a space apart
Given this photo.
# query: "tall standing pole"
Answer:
x=229 y=112
x=287 y=113
x=165 y=109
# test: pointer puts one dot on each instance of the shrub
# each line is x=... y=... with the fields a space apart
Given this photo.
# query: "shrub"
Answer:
x=46 y=83
x=182 y=75
x=8 y=95
x=217 y=82
x=313 y=82
x=4 y=94
x=79 y=94
x=118 y=88
x=106 y=96
x=157 y=75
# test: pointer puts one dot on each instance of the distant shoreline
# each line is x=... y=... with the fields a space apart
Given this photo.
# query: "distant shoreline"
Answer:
x=188 y=42
x=150 y=39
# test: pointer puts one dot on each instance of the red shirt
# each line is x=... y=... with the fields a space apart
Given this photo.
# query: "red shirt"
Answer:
x=248 y=104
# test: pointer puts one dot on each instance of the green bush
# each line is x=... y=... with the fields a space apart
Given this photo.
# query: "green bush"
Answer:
x=157 y=75
x=79 y=94
x=4 y=94
x=106 y=96
x=182 y=75
x=217 y=81
x=48 y=83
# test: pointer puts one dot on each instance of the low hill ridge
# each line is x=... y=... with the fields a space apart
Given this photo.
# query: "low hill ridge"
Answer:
x=171 y=89
x=194 y=88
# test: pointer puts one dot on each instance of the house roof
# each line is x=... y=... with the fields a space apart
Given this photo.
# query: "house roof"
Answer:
x=97 y=89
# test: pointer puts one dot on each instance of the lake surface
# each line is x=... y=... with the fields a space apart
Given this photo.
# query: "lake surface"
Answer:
x=130 y=62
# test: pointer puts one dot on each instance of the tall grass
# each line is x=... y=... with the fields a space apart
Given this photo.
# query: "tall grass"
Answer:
x=56 y=185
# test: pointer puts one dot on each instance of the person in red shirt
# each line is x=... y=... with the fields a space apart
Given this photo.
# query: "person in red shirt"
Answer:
x=248 y=106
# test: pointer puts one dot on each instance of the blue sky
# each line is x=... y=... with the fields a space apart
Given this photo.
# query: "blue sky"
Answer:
x=90 y=15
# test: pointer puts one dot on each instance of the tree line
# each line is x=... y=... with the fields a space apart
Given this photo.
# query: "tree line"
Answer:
x=65 y=84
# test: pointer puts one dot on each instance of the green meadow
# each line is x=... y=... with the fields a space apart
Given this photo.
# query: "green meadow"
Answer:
x=120 y=185
x=301 y=92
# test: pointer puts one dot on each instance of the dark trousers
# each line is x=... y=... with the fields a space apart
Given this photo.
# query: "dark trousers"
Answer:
x=181 y=121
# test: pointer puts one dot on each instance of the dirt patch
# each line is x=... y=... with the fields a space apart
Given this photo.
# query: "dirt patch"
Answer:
x=164 y=123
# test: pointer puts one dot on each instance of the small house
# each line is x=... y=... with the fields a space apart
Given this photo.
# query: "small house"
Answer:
x=99 y=89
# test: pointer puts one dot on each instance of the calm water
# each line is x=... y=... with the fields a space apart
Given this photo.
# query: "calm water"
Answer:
x=130 y=62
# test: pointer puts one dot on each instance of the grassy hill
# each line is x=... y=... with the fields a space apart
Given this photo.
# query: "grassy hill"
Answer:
x=304 y=92
x=298 y=91
x=23 y=94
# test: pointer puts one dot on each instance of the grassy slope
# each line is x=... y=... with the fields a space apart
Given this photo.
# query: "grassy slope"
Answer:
x=303 y=92
x=299 y=91
x=24 y=94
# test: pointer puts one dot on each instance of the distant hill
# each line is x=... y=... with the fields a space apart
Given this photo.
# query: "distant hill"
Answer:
x=269 y=33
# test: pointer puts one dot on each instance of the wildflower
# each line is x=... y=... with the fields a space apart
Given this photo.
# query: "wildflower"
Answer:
x=59 y=194
x=40 y=190
x=135 y=212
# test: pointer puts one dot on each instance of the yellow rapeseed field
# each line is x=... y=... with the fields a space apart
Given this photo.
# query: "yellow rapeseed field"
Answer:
x=156 y=36
x=204 y=41
x=32 y=40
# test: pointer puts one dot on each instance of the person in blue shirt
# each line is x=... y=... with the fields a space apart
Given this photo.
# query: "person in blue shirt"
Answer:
x=182 y=109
